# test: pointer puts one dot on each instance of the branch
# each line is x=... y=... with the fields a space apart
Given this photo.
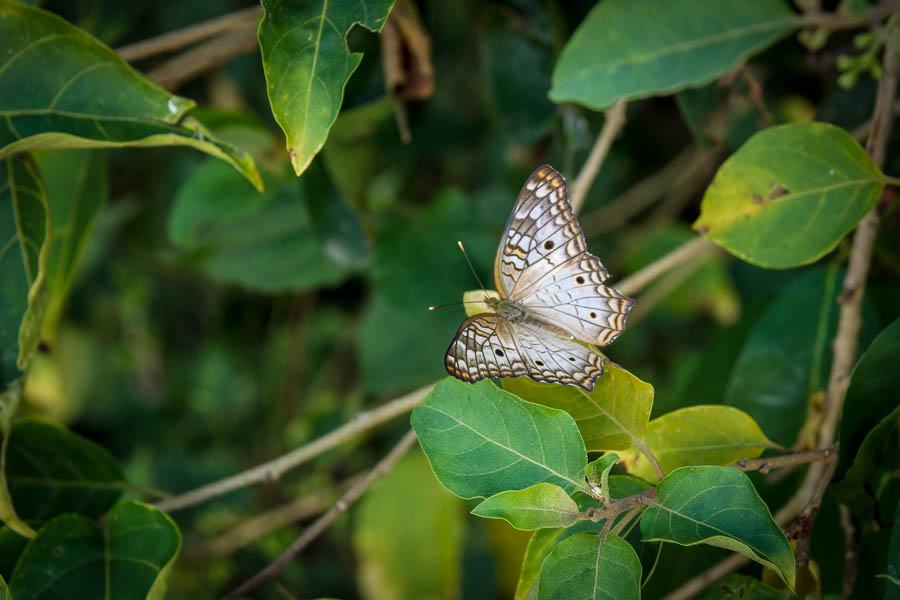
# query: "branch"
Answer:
x=614 y=506
x=175 y=40
x=834 y=22
x=205 y=57
x=684 y=253
x=615 y=120
x=275 y=568
x=707 y=578
x=764 y=465
x=272 y=470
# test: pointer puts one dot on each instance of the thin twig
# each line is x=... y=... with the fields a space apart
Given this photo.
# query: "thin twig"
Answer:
x=764 y=465
x=684 y=253
x=661 y=290
x=849 y=551
x=275 y=568
x=707 y=578
x=615 y=506
x=272 y=470
x=615 y=120
x=835 y=22
x=205 y=57
x=180 y=38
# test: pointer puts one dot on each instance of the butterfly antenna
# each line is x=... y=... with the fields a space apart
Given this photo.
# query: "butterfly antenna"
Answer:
x=454 y=304
x=478 y=279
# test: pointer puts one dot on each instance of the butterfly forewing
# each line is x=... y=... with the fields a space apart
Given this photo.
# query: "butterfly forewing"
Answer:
x=487 y=345
x=553 y=292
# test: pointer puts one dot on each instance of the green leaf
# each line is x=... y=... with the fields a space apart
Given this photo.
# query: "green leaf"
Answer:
x=698 y=435
x=536 y=507
x=76 y=186
x=785 y=359
x=24 y=230
x=128 y=560
x=869 y=420
x=481 y=440
x=581 y=567
x=720 y=507
x=4 y=589
x=609 y=418
x=61 y=88
x=809 y=173
x=543 y=540
x=892 y=577
x=389 y=538
x=307 y=64
x=11 y=546
x=597 y=472
x=637 y=49
x=743 y=587
x=263 y=241
x=51 y=471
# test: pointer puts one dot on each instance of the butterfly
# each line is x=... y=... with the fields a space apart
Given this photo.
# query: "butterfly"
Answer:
x=550 y=295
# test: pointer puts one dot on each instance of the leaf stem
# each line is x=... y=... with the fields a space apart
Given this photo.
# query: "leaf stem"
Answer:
x=384 y=466
x=891 y=180
x=764 y=465
x=613 y=507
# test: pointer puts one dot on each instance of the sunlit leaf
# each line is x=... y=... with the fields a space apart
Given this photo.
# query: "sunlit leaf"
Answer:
x=814 y=174
x=389 y=538
x=51 y=471
x=581 y=567
x=307 y=64
x=627 y=50
x=720 y=507
x=481 y=440
x=698 y=435
x=536 y=507
x=127 y=560
x=61 y=88
x=610 y=417
x=24 y=230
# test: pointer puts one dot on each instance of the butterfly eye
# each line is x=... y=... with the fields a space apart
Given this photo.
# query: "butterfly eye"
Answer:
x=548 y=245
x=579 y=279
x=498 y=352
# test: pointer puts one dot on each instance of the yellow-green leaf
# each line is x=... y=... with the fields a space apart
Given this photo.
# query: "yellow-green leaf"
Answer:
x=698 y=435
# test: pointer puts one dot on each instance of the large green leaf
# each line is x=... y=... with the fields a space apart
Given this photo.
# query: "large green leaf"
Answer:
x=24 y=231
x=720 y=507
x=307 y=64
x=698 y=435
x=391 y=540
x=869 y=420
x=75 y=181
x=629 y=49
x=610 y=417
x=263 y=241
x=61 y=88
x=72 y=558
x=11 y=546
x=583 y=567
x=544 y=540
x=481 y=440
x=785 y=359
x=536 y=507
x=789 y=195
x=51 y=471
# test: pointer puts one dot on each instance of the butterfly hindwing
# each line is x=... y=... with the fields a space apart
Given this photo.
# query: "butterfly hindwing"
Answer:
x=487 y=345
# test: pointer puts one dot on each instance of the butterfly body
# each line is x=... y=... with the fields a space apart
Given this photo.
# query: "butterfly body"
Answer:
x=550 y=296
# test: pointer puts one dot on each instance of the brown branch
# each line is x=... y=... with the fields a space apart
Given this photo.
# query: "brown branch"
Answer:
x=707 y=578
x=615 y=120
x=849 y=551
x=205 y=57
x=275 y=568
x=613 y=507
x=272 y=470
x=180 y=38
x=764 y=465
